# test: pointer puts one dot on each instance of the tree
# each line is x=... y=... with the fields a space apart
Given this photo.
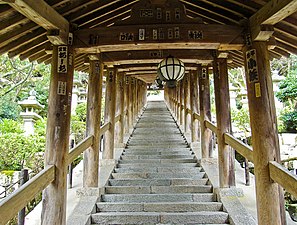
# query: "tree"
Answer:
x=288 y=95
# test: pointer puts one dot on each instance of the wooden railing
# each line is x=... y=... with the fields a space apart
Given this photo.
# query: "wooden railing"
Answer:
x=278 y=173
x=12 y=204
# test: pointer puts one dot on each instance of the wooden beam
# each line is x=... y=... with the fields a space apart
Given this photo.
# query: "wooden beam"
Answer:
x=125 y=37
x=45 y=16
x=271 y=13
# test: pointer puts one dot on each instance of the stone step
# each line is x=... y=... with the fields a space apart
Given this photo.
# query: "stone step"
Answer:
x=159 y=218
x=143 y=161
x=140 y=165
x=197 y=197
x=158 y=207
x=134 y=157
x=157 y=182
x=157 y=141
x=159 y=145
x=157 y=152
x=198 y=175
x=191 y=170
x=159 y=175
x=158 y=189
x=159 y=148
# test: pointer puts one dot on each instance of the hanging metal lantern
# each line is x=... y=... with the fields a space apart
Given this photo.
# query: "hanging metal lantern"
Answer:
x=171 y=70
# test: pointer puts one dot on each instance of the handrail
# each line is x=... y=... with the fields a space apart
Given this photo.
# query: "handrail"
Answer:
x=104 y=128
x=117 y=118
x=242 y=148
x=283 y=177
x=80 y=148
x=211 y=126
x=11 y=205
x=197 y=117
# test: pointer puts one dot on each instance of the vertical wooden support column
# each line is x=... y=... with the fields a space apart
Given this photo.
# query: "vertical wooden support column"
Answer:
x=194 y=100
x=181 y=100
x=222 y=100
x=119 y=126
x=126 y=105
x=204 y=101
x=91 y=155
x=110 y=97
x=144 y=94
x=264 y=131
x=178 y=102
x=130 y=108
x=57 y=134
x=187 y=105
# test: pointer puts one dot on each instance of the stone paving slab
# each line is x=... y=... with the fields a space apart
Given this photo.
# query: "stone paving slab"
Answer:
x=157 y=182
x=201 y=197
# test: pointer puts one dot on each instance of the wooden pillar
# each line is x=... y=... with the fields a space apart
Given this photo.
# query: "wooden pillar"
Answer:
x=110 y=97
x=57 y=134
x=91 y=155
x=181 y=99
x=194 y=100
x=130 y=107
x=119 y=126
x=126 y=105
x=178 y=102
x=187 y=104
x=204 y=101
x=264 y=131
x=222 y=99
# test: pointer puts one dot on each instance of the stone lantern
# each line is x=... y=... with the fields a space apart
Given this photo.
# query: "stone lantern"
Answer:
x=29 y=114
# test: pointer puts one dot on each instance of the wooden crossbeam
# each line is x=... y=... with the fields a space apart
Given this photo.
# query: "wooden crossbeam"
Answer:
x=127 y=37
x=271 y=13
x=45 y=16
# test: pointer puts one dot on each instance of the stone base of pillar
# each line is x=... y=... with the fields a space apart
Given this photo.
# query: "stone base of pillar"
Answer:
x=196 y=147
x=89 y=191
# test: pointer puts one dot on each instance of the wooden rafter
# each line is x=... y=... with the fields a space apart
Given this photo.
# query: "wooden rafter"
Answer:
x=45 y=16
x=271 y=13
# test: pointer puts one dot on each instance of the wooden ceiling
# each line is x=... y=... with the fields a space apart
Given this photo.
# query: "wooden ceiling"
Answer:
x=27 y=30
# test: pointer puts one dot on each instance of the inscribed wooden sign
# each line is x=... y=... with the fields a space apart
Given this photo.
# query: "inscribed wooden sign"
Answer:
x=62 y=59
x=251 y=62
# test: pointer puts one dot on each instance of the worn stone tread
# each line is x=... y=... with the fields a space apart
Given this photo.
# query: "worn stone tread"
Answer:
x=156 y=217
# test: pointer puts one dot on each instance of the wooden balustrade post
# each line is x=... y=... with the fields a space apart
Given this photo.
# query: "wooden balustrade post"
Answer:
x=110 y=103
x=187 y=106
x=194 y=100
x=91 y=155
x=264 y=131
x=57 y=134
x=226 y=155
x=22 y=213
x=204 y=108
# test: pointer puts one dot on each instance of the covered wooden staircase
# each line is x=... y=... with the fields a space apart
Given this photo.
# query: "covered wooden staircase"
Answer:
x=158 y=179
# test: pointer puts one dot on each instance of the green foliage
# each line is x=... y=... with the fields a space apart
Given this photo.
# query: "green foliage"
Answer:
x=288 y=122
x=241 y=119
x=17 y=150
x=288 y=90
x=8 y=108
x=10 y=126
x=78 y=122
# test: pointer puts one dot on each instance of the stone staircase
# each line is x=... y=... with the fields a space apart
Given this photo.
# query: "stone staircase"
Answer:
x=158 y=179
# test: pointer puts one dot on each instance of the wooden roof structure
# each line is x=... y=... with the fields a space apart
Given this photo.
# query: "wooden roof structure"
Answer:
x=28 y=28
